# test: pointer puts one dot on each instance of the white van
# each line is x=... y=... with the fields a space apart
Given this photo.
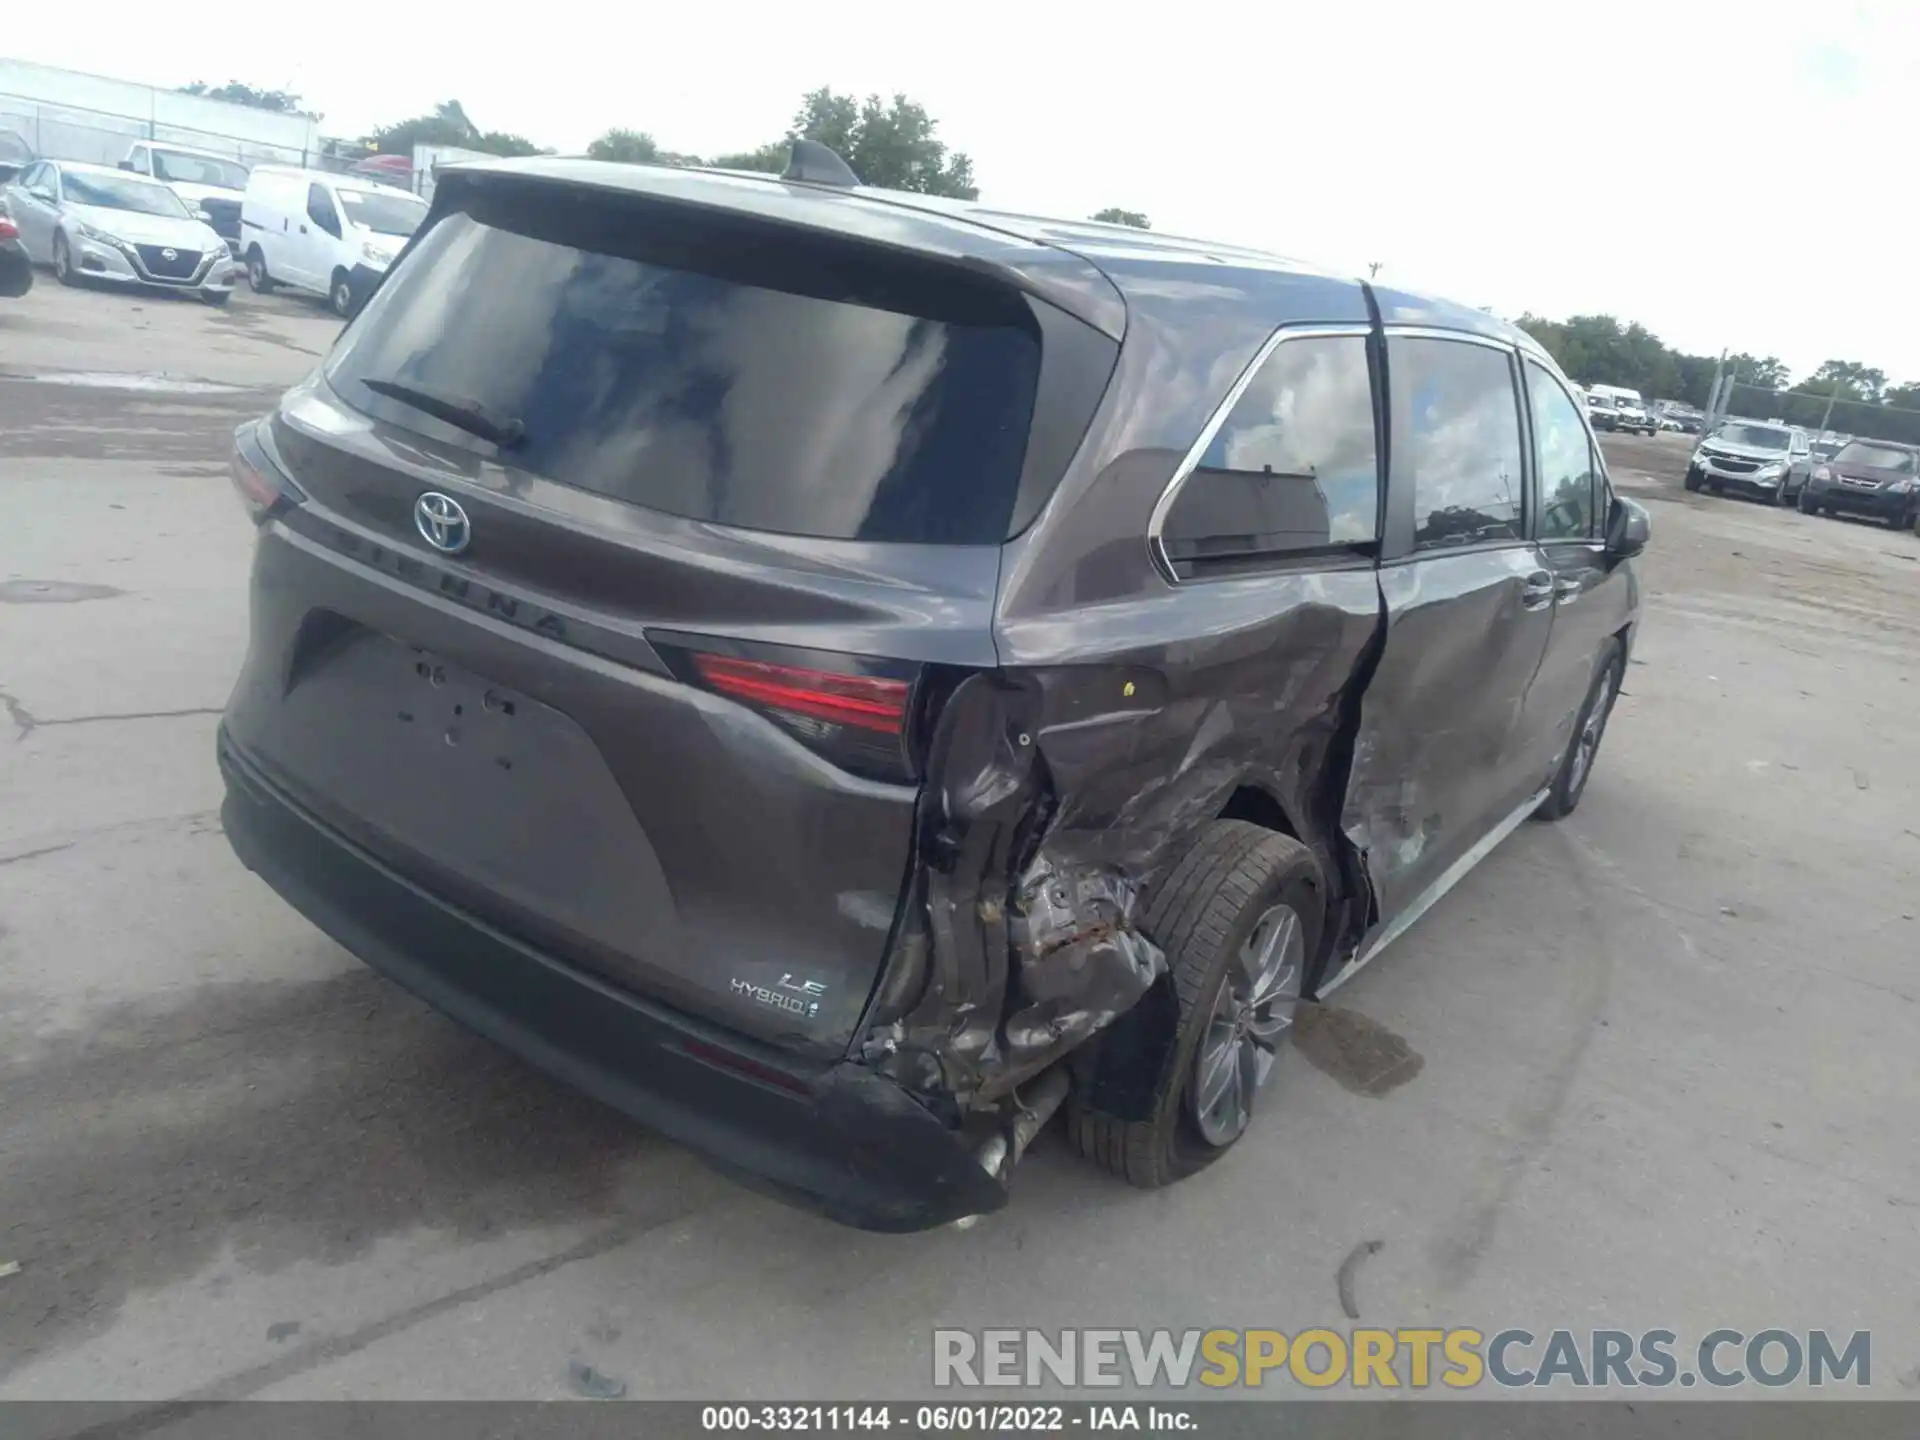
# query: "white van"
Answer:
x=1631 y=411
x=332 y=235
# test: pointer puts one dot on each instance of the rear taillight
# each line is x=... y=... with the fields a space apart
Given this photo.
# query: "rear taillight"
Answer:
x=852 y=711
x=8 y=230
x=817 y=695
x=262 y=488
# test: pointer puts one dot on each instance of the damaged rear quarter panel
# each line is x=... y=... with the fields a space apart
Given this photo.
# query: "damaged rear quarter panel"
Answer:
x=1125 y=716
x=1063 y=793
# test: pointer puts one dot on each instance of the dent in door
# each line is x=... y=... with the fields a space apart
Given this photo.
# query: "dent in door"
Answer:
x=1435 y=721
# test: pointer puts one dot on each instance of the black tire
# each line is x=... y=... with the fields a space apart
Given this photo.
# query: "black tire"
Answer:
x=257 y=275
x=63 y=266
x=1805 y=502
x=1570 y=782
x=1693 y=480
x=1202 y=917
x=340 y=294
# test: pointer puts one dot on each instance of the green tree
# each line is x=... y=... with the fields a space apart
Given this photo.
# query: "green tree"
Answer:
x=771 y=158
x=636 y=147
x=235 y=92
x=1598 y=349
x=447 y=125
x=1765 y=371
x=893 y=144
x=1849 y=379
x=1114 y=215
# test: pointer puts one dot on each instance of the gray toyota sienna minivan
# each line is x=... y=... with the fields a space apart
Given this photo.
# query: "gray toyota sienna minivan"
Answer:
x=842 y=675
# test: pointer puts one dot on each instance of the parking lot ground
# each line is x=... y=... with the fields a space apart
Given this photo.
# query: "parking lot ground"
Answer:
x=1667 y=1049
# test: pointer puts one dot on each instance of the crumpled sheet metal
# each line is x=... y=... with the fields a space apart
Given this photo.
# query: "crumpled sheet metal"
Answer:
x=1060 y=796
x=1081 y=960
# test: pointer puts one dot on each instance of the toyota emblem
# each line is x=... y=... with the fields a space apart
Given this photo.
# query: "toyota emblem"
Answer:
x=441 y=522
x=169 y=254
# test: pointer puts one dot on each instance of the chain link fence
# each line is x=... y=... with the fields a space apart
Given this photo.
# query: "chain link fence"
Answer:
x=100 y=137
x=1839 y=415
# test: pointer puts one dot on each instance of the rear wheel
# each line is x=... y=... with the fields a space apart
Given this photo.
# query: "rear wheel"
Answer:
x=1239 y=919
x=63 y=270
x=1570 y=783
x=257 y=276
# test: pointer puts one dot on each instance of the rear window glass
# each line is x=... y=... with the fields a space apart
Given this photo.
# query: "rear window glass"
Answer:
x=753 y=378
x=1292 y=468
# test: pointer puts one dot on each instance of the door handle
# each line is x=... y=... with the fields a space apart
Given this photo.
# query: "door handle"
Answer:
x=1565 y=592
x=1537 y=592
x=303 y=229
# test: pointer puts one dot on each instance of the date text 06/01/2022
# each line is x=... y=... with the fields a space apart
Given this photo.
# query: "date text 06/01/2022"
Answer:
x=944 y=1419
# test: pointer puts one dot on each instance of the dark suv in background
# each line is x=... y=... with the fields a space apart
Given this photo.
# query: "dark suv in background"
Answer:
x=1874 y=479
x=840 y=675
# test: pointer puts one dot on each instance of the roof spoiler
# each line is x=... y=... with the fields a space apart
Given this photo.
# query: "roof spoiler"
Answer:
x=818 y=165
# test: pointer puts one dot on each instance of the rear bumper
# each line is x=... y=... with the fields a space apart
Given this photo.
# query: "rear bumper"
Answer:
x=840 y=1140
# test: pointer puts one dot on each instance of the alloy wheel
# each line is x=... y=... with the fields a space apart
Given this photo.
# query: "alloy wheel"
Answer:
x=1251 y=1016
x=1587 y=744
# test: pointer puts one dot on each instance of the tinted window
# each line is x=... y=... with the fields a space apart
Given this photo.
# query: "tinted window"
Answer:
x=121 y=192
x=1456 y=440
x=1292 y=468
x=1878 y=457
x=1760 y=437
x=320 y=210
x=800 y=387
x=1563 y=458
x=383 y=214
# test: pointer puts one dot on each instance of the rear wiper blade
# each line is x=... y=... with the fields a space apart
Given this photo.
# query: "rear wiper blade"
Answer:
x=462 y=414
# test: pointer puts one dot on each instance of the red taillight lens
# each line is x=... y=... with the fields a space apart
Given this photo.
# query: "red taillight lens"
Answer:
x=263 y=489
x=858 y=700
x=8 y=230
x=857 y=719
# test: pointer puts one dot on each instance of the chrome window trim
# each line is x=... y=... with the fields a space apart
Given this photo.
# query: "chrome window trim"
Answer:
x=1470 y=337
x=1190 y=462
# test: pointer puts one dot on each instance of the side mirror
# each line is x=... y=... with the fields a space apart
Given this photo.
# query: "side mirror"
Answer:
x=126 y=164
x=1628 y=528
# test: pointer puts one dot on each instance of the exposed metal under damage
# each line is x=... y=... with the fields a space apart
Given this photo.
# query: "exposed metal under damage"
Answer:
x=1058 y=798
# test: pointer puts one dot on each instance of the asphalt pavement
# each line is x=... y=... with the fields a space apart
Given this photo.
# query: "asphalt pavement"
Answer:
x=1660 y=1061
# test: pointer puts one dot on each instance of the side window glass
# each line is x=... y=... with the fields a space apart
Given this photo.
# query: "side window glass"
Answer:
x=1563 y=459
x=1293 y=468
x=140 y=159
x=320 y=210
x=1456 y=440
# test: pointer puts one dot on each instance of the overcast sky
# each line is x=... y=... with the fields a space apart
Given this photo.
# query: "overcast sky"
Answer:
x=1539 y=156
